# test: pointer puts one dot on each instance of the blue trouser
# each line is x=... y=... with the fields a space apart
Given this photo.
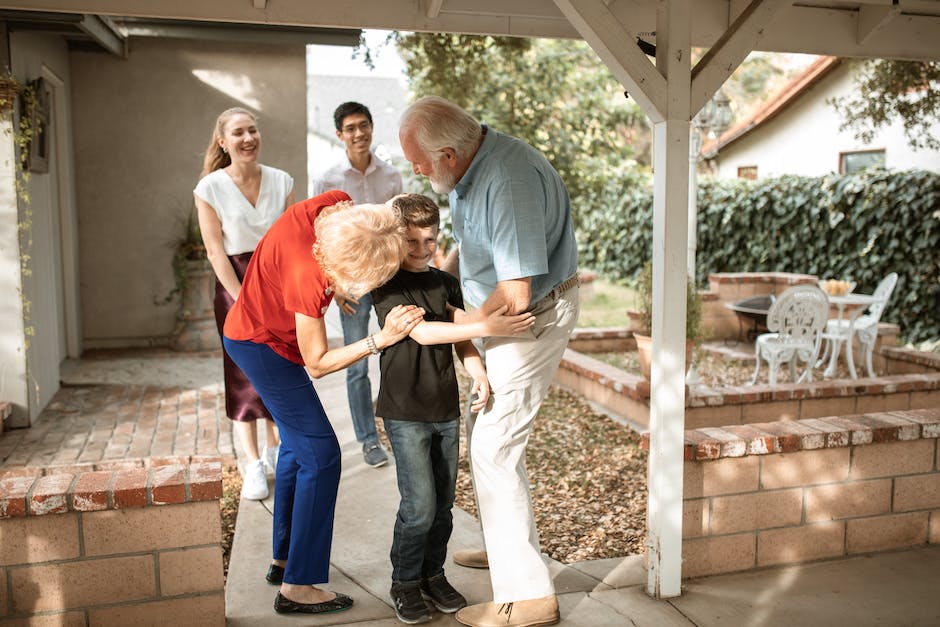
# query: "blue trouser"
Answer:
x=426 y=465
x=358 y=386
x=308 y=465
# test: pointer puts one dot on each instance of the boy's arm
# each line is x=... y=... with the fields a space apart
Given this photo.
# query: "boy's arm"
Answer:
x=494 y=325
x=470 y=358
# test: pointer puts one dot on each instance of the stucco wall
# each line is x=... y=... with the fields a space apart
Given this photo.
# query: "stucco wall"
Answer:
x=141 y=128
x=805 y=138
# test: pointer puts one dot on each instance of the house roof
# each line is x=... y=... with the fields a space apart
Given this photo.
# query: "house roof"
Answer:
x=775 y=105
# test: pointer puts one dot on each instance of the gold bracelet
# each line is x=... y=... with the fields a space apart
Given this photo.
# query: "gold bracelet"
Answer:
x=370 y=342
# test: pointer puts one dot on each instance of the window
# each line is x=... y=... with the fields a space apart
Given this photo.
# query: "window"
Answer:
x=851 y=162
x=747 y=172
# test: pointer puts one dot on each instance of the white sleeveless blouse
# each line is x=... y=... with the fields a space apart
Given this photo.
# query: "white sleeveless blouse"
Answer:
x=244 y=224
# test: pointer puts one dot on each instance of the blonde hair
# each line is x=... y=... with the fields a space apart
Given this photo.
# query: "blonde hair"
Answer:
x=216 y=157
x=359 y=247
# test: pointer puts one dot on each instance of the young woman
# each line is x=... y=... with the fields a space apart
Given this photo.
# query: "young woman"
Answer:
x=238 y=199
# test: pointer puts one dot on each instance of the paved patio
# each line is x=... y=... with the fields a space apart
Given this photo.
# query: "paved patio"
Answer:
x=157 y=403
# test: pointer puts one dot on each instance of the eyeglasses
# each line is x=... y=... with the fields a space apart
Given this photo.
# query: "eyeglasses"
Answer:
x=352 y=128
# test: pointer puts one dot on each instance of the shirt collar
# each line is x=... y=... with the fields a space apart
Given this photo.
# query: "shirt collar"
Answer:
x=351 y=168
x=486 y=147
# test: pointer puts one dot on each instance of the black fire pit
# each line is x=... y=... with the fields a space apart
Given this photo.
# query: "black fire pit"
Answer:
x=752 y=312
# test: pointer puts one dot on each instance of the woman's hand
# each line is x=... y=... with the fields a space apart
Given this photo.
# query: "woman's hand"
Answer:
x=398 y=324
x=499 y=324
x=480 y=394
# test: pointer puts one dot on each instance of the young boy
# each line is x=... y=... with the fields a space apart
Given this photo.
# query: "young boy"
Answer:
x=419 y=406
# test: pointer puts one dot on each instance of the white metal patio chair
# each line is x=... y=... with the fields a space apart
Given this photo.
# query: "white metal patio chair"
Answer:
x=795 y=320
x=865 y=327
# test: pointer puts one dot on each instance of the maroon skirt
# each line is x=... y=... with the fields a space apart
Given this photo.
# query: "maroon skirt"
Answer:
x=242 y=402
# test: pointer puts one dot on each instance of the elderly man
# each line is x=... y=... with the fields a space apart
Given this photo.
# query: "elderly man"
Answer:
x=515 y=247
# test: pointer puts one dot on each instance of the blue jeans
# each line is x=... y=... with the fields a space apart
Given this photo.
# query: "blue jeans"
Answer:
x=426 y=465
x=358 y=386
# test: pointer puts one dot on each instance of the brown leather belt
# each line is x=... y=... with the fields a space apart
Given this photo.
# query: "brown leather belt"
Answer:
x=564 y=286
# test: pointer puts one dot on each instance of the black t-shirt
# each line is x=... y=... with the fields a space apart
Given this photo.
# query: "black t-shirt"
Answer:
x=418 y=382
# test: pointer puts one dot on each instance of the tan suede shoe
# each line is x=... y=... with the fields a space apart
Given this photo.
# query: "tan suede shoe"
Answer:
x=529 y=613
x=472 y=558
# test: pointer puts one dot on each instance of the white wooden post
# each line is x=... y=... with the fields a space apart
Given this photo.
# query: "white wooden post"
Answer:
x=670 y=240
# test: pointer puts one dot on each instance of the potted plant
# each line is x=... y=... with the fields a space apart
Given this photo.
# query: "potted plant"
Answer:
x=195 y=282
x=643 y=319
x=9 y=89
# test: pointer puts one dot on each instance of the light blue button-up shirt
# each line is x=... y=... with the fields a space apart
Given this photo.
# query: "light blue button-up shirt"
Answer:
x=512 y=219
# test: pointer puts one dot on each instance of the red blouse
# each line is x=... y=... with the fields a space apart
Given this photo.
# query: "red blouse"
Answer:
x=282 y=279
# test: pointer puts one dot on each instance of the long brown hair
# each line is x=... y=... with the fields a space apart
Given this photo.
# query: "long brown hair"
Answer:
x=215 y=157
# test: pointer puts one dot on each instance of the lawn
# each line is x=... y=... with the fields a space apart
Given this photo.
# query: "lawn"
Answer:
x=608 y=306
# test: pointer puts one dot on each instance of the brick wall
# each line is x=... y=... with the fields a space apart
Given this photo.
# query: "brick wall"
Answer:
x=628 y=395
x=124 y=544
x=729 y=287
x=780 y=493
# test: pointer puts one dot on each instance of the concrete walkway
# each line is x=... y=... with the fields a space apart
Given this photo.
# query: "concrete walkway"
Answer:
x=158 y=403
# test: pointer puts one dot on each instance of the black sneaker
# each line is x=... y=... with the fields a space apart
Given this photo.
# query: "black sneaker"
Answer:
x=410 y=607
x=439 y=592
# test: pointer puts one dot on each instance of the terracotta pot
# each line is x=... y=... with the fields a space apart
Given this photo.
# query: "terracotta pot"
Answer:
x=644 y=348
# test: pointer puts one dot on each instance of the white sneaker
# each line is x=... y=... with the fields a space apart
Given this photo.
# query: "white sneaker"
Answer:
x=255 y=482
x=269 y=457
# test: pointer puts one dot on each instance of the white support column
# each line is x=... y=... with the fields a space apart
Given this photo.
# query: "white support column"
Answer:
x=670 y=239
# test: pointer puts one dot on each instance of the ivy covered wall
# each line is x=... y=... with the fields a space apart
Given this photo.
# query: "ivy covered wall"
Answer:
x=859 y=227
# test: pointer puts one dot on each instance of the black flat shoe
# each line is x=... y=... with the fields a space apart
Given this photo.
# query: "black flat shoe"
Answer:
x=283 y=605
x=275 y=574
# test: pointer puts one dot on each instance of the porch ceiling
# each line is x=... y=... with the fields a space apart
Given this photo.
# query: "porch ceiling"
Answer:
x=899 y=29
x=100 y=32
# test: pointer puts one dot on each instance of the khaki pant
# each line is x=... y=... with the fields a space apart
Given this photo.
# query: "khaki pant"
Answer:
x=520 y=370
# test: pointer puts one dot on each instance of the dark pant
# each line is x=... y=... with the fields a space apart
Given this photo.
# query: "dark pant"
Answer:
x=308 y=466
x=426 y=465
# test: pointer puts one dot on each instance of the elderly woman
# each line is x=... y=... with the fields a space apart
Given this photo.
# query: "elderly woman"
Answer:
x=277 y=336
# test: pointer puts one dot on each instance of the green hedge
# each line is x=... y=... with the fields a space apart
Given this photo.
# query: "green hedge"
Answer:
x=859 y=227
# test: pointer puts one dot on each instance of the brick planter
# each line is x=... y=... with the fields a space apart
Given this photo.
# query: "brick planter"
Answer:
x=112 y=545
x=788 y=492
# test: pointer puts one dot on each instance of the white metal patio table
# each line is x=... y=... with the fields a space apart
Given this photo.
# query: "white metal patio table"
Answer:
x=851 y=305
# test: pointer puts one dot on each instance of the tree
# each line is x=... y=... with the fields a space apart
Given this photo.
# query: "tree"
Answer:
x=886 y=91
x=555 y=94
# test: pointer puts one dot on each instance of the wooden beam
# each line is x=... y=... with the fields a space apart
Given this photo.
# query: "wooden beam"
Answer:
x=816 y=30
x=434 y=9
x=259 y=4
x=102 y=30
x=618 y=50
x=872 y=18
x=723 y=58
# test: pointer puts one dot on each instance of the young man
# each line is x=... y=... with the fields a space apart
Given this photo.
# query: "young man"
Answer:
x=367 y=179
x=419 y=405
x=515 y=248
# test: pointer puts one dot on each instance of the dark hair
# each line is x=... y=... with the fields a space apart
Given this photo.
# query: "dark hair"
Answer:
x=417 y=210
x=347 y=109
